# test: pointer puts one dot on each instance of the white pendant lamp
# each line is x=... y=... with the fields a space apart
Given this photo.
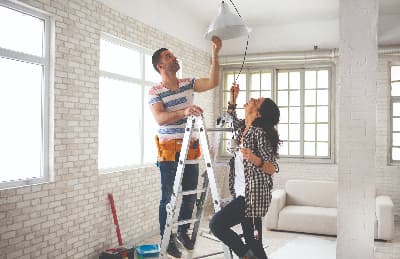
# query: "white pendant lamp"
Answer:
x=227 y=25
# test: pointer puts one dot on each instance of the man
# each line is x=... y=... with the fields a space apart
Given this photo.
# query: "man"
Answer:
x=171 y=102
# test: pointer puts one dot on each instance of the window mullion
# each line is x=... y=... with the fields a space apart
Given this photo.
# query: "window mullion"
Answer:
x=302 y=112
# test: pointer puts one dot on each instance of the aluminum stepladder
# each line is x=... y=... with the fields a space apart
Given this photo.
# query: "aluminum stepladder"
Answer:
x=209 y=180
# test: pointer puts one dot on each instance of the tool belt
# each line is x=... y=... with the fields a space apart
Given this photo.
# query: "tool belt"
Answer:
x=170 y=150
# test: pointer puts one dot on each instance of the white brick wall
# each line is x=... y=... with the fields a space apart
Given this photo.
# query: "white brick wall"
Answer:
x=71 y=217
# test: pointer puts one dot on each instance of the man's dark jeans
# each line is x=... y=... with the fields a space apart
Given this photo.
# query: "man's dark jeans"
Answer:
x=189 y=182
x=231 y=215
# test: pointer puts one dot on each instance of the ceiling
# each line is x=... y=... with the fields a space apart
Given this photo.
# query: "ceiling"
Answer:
x=284 y=25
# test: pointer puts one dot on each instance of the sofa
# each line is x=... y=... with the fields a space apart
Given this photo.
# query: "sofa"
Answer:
x=310 y=206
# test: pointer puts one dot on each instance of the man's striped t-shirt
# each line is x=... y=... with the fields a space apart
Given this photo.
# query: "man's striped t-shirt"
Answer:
x=173 y=101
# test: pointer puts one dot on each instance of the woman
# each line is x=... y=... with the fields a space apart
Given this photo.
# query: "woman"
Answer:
x=250 y=181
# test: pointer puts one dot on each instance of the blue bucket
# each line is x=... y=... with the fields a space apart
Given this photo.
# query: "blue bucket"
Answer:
x=152 y=250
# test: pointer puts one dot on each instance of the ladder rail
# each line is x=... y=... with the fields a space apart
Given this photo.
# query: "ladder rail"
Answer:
x=171 y=206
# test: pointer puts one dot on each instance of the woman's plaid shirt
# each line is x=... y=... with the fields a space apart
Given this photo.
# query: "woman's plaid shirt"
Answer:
x=258 y=195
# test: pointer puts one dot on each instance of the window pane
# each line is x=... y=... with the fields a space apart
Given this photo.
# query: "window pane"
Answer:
x=309 y=148
x=396 y=139
x=322 y=132
x=294 y=131
x=229 y=81
x=322 y=149
x=294 y=80
x=396 y=153
x=21 y=32
x=119 y=135
x=241 y=100
x=396 y=124
x=396 y=89
x=310 y=80
x=266 y=81
x=294 y=98
x=322 y=114
x=395 y=74
x=283 y=131
x=294 y=148
x=284 y=115
x=396 y=109
x=255 y=95
x=240 y=113
x=294 y=114
x=149 y=71
x=21 y=119
x=309 y=132
x=282 y=80
x=284 y=148
x=322 y=97
x=255 y=81
x=266 y=94
x=323 y=79
x=241 y=81
x=119 y=59
x=309 y=97
x=283 y=98
x=150 y=131
x=309 y=114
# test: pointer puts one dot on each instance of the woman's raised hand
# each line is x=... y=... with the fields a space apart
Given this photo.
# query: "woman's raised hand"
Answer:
x=234 y=92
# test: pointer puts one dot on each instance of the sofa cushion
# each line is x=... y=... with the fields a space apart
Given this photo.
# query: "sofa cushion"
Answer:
x=311 y=193
x=308 y=219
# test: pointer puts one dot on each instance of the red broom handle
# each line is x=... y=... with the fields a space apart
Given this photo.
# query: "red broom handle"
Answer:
x=114 y=212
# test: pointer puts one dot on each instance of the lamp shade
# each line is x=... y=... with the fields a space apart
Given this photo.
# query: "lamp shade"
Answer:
x=227 y=25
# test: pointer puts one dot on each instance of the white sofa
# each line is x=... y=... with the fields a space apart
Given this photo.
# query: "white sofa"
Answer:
x=310 y=206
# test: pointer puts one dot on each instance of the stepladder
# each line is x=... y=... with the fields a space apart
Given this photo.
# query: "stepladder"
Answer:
x=194 y=124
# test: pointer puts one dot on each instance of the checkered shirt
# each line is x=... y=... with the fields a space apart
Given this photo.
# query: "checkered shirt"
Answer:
x=258 y=183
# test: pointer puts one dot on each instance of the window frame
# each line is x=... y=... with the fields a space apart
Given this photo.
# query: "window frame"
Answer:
x=47 y=61
x=143 y=83
x=392 y=99
x=274 y=68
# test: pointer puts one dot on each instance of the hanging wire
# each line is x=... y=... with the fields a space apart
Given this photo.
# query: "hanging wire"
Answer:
x=247 y=44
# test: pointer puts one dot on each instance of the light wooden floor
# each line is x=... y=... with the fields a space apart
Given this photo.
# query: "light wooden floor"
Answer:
x=273 y=240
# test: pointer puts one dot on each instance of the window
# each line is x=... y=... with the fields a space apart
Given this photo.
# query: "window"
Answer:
x=126 y=125
x=303 y=97
x=395 y=108
x=24 y=95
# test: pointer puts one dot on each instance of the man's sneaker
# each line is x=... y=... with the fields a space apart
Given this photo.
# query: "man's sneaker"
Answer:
x=185 y=240
x=172 y=250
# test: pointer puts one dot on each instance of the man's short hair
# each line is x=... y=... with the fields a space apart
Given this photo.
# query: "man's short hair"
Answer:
x=156 y=58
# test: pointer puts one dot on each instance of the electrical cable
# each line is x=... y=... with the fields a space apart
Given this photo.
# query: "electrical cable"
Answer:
x=247 y=44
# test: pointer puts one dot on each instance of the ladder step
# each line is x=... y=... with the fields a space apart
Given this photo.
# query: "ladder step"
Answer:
x=187 y=221
x=194 y=192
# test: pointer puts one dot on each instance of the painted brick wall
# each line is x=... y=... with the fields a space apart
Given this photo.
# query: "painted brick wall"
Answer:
x=71 y=218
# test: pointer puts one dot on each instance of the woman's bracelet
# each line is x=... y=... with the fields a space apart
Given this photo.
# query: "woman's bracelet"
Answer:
x=231 y=106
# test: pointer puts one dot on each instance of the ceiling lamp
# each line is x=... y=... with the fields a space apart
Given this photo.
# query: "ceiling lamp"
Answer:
x=227 y=25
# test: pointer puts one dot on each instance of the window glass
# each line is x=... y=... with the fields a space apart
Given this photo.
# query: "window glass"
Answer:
x=26 y=33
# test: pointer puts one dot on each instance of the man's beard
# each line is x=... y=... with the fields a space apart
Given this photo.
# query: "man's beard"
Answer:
x=174 y=67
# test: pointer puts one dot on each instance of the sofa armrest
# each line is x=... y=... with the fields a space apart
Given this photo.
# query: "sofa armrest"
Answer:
x=278 y=201
x=385 y=217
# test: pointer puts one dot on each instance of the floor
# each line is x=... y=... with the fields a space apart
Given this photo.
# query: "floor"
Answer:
x=207 y=246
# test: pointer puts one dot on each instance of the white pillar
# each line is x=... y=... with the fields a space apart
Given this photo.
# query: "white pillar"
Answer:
x=356 y=128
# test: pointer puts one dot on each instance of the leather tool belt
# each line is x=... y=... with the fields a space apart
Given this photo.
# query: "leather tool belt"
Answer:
x=170 y=150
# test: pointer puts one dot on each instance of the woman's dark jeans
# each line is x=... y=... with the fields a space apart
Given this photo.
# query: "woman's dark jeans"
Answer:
x=231 y=215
